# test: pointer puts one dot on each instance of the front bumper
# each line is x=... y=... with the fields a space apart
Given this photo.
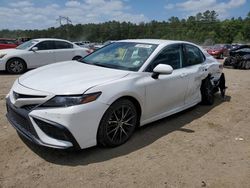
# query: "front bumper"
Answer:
x=22 y=122
x=77 y=126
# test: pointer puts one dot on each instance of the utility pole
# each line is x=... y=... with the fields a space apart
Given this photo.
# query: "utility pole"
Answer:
x=61 y=20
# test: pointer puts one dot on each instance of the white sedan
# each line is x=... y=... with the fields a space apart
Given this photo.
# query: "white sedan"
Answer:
x=103 y=97
x=39 y=52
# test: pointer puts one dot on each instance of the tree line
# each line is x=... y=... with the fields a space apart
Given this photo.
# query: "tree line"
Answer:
x=203 y=28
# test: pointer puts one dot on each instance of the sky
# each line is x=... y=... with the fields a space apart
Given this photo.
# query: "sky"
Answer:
x=42 y=14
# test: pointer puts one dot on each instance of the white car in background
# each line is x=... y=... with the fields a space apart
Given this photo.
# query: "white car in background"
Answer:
x=39 y=52
x=103 y=97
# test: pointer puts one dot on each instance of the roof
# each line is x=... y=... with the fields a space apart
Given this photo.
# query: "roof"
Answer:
x=153 y=41
x=42 y=39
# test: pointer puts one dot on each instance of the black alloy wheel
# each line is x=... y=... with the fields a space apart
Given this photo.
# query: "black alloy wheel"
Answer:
x=118 y=123
x=207 y=91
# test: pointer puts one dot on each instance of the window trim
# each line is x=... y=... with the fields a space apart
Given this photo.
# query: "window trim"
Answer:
x=72 y=46
x=179 y=44
x=44 y=41
x=185 y=58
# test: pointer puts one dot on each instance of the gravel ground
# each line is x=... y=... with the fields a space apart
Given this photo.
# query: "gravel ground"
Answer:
x=205 y=146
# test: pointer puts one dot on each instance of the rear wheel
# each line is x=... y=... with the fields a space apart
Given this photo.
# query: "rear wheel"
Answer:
x=16 y=66
x=247 y=65
x=207 y=91
x=117 y=124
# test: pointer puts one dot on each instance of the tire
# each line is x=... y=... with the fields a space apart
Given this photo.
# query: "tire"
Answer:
x=16 y=66
x=247 y=64
x=207 y=94
x=243 y=64
x=76 y=58
x=227 y=61
x=118 y=124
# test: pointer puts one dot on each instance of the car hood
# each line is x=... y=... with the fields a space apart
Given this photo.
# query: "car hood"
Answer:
x=11 y=51
x=69 y=77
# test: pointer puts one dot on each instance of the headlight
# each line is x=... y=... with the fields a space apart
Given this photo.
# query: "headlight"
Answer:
x=66 y=101
x=2 y=55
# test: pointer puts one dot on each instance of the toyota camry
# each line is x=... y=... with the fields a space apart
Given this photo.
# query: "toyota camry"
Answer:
x=102 y=98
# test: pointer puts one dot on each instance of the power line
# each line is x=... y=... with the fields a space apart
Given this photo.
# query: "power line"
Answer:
x=64 y=18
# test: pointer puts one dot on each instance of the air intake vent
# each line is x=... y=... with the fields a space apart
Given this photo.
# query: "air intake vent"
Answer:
x=29 y=107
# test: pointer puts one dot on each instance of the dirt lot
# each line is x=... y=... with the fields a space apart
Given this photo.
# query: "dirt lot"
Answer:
x=205 y=146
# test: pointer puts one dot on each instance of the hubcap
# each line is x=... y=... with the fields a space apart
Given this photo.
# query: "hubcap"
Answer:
x=121 y=124
x=16 y=66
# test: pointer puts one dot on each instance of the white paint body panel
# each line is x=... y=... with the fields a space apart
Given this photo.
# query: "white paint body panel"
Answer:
x=158 y=98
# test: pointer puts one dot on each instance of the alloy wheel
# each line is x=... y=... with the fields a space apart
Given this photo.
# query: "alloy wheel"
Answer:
x=16 y=66
x=121 y=124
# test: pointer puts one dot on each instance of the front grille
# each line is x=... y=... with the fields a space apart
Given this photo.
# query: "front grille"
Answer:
x=29 y=107
x=24 y=96
x=22 y=121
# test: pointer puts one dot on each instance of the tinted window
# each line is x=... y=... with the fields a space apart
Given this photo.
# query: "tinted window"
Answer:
x=63 y=45
x=244 y=50
x=46 y=45
x=171 y=55
x=193 y=55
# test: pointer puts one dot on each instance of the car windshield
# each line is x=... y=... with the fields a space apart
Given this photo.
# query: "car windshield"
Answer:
x=121 y=55
x=27 y=45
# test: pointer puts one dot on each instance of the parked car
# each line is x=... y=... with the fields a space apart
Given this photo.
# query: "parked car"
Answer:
x=239 y=58
x=219 y=50
x=103 y=97
x=39 y=52
x=7 y=43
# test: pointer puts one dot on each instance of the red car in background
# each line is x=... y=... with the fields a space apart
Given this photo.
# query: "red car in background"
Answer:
x=219 y=50
x=8 y=43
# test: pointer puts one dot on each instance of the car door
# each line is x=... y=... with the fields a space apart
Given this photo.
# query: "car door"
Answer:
x=64 y=51
x=195 y=71
x=166 y=94
x=44 y=54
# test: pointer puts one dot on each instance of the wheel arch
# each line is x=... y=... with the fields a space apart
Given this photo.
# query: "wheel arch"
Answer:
x=137 y=106
x=25 y=63
x=135 y=101
x=77 y=57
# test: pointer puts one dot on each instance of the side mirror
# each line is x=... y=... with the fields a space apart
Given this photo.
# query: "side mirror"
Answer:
x=161 y=69
x=34 y=49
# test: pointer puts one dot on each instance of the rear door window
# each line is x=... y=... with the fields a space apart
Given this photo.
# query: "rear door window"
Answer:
x=63 y=45
x=46 y=45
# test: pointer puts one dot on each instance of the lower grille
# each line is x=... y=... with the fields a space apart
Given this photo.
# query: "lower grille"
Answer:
x=29 y=107
x=22 y=121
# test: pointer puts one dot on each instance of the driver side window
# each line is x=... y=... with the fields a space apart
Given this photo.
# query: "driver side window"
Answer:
x=46 y=45
x=171 y=55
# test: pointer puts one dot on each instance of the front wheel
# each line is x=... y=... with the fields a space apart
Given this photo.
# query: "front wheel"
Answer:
x=207 y=92
x=117 y=124
x=15 y=66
